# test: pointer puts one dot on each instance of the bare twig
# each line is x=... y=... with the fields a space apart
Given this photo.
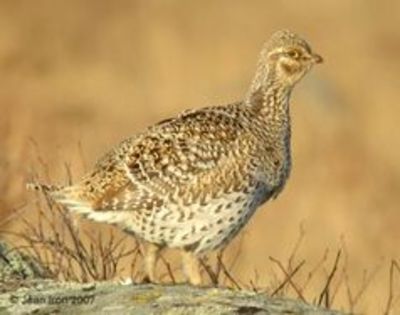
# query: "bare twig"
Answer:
x=288 y=278
x=58 y=246
x=324 y=296
x=169 y=269
x=296 y=247
x=367 y=279
x=227 y=274
x=213 y=276
x=313 y=271
x=389 y=304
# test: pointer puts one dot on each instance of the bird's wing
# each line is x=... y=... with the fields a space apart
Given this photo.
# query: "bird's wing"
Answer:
x=174 y=159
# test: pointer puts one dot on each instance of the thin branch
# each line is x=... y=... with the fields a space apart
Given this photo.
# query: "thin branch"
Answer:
x=288 y=278
x=210 y=272
x=325 y=292
x=169 y=269
x=389 y=304
x=296 y=247
x=227 y=274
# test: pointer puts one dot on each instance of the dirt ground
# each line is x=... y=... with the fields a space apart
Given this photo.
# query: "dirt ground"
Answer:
x=79 y=76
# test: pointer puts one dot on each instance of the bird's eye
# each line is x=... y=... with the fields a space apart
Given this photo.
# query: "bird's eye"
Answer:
x=294 y=54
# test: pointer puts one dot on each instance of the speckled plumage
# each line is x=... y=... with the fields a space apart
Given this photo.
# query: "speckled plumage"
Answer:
x=193 y=181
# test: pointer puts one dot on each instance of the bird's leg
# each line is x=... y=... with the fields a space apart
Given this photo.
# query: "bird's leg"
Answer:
x=151 y=255
x=191 y=267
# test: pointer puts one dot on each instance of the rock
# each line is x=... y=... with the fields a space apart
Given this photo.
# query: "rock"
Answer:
x=49 y=297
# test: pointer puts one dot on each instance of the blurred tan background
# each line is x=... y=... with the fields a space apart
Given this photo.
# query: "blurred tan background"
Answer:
x=76 y=77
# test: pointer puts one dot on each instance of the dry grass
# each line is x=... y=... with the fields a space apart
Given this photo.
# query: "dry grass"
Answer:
x=78 y=77
x=68 y=253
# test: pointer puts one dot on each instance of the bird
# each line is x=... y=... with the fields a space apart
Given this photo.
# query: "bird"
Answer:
x=193 y=181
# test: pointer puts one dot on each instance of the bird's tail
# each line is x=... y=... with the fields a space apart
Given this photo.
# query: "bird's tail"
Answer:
x=47 y=189
x=67 y=196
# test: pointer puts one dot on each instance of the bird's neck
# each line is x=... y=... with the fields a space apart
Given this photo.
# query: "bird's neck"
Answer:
x=270 y=98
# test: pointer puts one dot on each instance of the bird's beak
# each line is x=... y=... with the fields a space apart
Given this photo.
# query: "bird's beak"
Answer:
x=317 y=58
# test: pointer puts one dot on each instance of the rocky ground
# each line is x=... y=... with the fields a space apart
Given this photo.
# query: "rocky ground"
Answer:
x=47 y=297
x=23 y=290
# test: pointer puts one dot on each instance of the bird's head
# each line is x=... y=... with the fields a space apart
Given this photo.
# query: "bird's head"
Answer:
x=288 y=57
